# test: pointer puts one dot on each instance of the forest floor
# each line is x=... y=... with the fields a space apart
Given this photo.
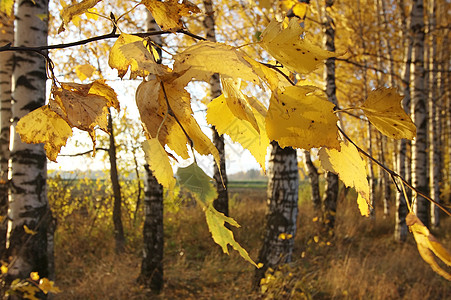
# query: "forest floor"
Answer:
x=361 y=261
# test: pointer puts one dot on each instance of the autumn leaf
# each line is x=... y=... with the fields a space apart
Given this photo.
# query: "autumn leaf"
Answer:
x=350 y=167
x=70 y=11
x=205 y=58
x=428 y=245
x=6 y=6
x=286 y=45
x=383 y=109
x=225 y=122
x=273 y=79
x=154 y=115
x=222 y=235
x=85 y=106
x=28 y=230
x=158 y=161
x=168 y=13
x=237 y=101
x=301 y=117
x=362 y=203
x=48 y=286
x=44 y=126
x=84 y=71
x=200 y=184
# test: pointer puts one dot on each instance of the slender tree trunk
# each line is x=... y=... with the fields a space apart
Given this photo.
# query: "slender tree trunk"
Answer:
x=6 y=61
x=28 y=199
x=434 y=120
x=282 y=210
x=314 y=182
x=153 y=236
x=419 y=113
x=403 y=159
x=117 y=205
x=138 y=197
x=220 y=176
x=152 y=263
x=331 y=192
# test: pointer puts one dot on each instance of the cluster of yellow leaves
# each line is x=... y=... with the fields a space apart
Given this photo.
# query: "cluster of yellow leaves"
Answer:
x=30 y=287
x=84 y=106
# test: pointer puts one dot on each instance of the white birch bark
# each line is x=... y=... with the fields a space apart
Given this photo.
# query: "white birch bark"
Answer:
x=419 y=113
x=28 y=200
x=6 y=61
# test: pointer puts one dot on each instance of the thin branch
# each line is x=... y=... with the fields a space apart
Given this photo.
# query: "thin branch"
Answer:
x=276 y=68
x=83 y=153
x=393 y=173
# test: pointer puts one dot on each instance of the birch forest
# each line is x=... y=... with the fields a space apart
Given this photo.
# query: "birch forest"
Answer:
x=248 y=149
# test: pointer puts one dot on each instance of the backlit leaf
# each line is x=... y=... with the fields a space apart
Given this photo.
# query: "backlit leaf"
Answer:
x=168 y=13
x=28 y=230
x=205 y=58
x=350 y=167
x=6 y=6
x=158 y=161
x=286 y=45
x=237 y=102
x=69 y=12
x=219 y=115
x=428 y=245
x=222 y=235
x=44 y=126
x=364 y=208
x=301 y=117
x=200 y=184
x=383 y=109
x=84 y=106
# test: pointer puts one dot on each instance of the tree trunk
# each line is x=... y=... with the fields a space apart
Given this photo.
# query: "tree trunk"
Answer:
x=29 y=206
x=420 y=114
x=331 y=192
x=117 y=205
x=221 y=203
x=152 y=262
x=403 y=160
x=434 y=120
x=314 y=182
x=153 y=237
x=282 y=210
x=6 y=61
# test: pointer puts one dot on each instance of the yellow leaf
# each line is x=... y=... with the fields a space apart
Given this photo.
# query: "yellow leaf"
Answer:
x=383 y=109
x=237 y=102
x=222 y=235
x=69 y=12
x=153 y=109
x=428 y=245
x=301 y=117
x=6 y=6
x=220 y=116
x=205 y=58
x=270 y=77
x=28 y=230
x=316 y=238
x=286 y=45
x=168 y=14
x=350 y=167
x=48 y=286
x=158 y=161
x=34 y=276
x=92 y=13
x=44 y=126
x=363 y=206
x=315 y=219
x=4 y=269
x=84 y=71
x=85 y=106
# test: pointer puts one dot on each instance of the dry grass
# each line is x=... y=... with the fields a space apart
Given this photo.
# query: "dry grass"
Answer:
x=361 y=262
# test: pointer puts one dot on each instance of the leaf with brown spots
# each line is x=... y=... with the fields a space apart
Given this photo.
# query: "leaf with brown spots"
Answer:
x=383 y=109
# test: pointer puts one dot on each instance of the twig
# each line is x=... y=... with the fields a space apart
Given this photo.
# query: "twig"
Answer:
x=83 y=153
x=393 y=174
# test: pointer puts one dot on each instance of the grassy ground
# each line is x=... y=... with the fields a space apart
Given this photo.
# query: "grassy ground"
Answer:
x=361 y=262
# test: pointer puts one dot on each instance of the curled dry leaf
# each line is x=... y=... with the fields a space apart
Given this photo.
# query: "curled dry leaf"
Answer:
x=428 y=245
x=168 y=13
x=43 y=125
x=70 y=11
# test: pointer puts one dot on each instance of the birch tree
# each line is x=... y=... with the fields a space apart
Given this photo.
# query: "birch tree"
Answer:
x=419 y=113
x=6 y=61
x=29 y=207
